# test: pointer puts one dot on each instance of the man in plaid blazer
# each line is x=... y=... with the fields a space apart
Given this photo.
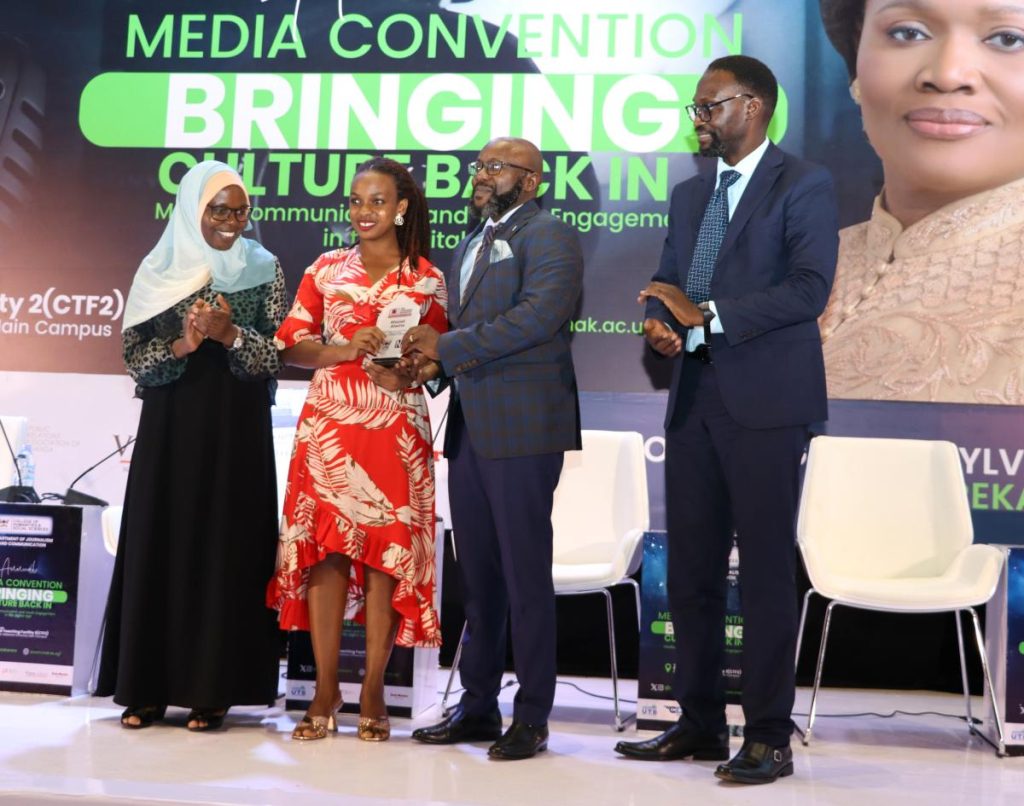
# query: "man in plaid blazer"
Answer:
x=514 y=283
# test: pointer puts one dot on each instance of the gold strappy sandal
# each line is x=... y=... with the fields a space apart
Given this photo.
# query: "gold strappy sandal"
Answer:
x=312 y=728
x=374 y=729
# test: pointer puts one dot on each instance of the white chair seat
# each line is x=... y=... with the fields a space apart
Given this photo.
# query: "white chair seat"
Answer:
x=587 y=568
x=970 y=580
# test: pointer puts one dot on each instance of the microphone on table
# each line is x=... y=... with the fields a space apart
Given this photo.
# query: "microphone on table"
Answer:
x=74 y=498
x=20 y=493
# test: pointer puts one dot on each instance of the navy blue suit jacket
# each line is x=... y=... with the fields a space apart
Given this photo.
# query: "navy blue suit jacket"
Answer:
x=772 y=279
x=508 y=347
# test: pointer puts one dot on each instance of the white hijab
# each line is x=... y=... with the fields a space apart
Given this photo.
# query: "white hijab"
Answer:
x=182 y=261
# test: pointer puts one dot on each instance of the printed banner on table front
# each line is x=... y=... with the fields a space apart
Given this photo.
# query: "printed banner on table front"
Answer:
x=39 y=551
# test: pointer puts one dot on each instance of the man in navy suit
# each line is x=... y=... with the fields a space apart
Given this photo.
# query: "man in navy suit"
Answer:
x=514 y=283
x=746 y=269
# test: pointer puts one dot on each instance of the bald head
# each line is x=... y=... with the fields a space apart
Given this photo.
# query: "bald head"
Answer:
x=525 y=153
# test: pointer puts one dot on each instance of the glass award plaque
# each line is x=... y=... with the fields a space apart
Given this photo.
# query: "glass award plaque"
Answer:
x=395 y=319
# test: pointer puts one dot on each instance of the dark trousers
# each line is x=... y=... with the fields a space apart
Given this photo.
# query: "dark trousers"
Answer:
x=501 y=522
x=722 y=477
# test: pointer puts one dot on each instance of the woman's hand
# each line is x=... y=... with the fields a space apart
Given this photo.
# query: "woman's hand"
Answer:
x=216 y=321
x=191 y=337
x=365 y=341
x=394 y=379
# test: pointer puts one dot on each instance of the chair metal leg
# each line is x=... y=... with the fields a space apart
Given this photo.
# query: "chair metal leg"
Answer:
x=963 y=671
x=620 y=723
x=980 y=640
x=455 y=668
x=817 y=672
x=800 y=630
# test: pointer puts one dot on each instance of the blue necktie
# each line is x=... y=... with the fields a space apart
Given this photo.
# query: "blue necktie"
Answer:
x=482 y=259
x=709 y=239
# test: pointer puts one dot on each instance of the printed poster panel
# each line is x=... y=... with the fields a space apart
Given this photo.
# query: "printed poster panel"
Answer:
x=656 y=707
x=39 y=550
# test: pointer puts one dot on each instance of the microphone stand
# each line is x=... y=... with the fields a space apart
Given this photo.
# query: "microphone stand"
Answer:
x=77 y=499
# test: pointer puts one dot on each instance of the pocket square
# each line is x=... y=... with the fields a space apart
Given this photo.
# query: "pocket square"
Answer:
x=500 y=250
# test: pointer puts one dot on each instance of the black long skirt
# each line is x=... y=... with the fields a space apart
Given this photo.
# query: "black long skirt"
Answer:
x=186 y=621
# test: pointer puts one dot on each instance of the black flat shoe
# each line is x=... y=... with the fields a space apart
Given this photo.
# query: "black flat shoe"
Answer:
x=757 y=763
x=461 y=727
x=520 y=741
x=146 y=715
x=207 y=719
x=679 y=741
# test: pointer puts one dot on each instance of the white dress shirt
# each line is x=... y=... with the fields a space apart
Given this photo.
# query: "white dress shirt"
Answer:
x=745 y=168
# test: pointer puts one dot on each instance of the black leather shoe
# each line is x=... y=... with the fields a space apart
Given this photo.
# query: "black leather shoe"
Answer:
x=757 y=763
x=679 y=741
x=460 y=727
x=520 y=741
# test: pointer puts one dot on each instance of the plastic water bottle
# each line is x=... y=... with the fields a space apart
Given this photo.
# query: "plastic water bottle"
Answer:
x=27 y=466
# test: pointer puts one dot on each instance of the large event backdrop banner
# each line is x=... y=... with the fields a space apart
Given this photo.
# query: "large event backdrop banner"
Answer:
x=104 y=104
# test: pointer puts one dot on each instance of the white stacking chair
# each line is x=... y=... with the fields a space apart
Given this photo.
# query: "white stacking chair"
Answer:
x=599 y=516
x=884 y=524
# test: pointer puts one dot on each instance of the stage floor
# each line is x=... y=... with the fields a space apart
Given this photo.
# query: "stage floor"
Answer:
x=63 y=751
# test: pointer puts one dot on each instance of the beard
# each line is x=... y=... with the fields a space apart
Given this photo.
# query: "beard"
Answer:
x=715 y=148
x=498 y=203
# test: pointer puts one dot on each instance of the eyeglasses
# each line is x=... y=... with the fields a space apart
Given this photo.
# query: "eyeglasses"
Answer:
x=221 y=213
x=494 y=167
x=703 y=111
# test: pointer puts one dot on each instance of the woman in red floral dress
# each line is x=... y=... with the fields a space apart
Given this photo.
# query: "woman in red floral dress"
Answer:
x=357 y=535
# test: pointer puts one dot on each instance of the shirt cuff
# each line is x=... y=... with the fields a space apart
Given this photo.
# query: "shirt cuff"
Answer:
x=716 y=323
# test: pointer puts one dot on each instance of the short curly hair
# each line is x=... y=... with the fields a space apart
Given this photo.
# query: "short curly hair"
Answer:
x=844 y=23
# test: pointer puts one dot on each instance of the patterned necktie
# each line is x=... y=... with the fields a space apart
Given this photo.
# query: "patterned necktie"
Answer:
x=709 y=239
x=482 y=259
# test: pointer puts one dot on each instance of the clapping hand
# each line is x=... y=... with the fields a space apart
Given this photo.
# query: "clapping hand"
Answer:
x=191 y=336
x=215 y=320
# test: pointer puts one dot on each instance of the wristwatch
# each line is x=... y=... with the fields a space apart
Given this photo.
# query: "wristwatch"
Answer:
x=237 y=343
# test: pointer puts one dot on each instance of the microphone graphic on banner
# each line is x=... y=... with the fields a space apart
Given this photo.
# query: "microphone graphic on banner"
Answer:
x=74 y=498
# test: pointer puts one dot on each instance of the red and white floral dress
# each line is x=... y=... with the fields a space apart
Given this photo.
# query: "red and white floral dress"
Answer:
x=361 y=480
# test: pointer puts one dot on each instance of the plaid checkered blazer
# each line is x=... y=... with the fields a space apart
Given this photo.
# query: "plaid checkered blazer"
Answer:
x=508 y=347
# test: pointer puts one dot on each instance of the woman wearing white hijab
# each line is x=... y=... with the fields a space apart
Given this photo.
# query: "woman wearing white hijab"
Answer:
x=186 y=622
